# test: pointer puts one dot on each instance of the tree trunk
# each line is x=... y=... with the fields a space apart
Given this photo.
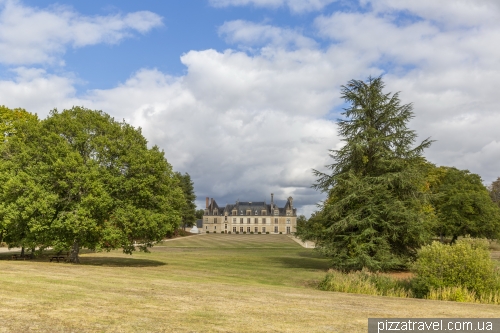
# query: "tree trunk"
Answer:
x=32 y=254
x=74 y=253
x=454 y=239
x=441 y=238
x=22 y=252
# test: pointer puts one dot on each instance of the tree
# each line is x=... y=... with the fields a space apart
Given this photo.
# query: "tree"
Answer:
x=376 y=214
x=494 y=190
x=199 y=214
x=189 y=208
x=8 y=119
x=107 y=190
x=463 y=205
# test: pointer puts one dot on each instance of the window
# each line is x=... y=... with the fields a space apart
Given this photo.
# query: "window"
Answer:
x=276 y=229
x=234 y=219
x=234 y=229
x=249 y=212
x=235 y=212
x=256 y=220
x=264 y=220
x=215 y=227
x=225 y=218
x=256 y=229
x=287 y=213
x=241 y=229
x=241 y=220
x=263 y=230
x=287 y=230
x=225 y=226
x=206 y=219
x=248 y=220
x=206 y=227
x=275 y=221
x=276 y=212
x=215 y=220
x=241 y=212
x=263 y=212
x=256 y=213
x=287 y=221
x=248 y=229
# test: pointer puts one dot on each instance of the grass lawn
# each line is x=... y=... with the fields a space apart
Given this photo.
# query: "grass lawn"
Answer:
x=205 y=283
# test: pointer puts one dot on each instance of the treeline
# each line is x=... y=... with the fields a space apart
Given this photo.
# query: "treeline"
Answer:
x=81 y=179
x=384 y=199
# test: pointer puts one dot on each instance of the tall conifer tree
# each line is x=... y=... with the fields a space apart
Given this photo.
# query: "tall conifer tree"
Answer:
x=375 y=215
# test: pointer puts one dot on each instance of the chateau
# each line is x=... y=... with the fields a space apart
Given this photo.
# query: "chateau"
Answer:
x=248 y=217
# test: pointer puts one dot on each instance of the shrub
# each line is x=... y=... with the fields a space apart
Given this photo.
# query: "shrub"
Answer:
x=244 y=232
x=237 y=232
x=215 y=231
x=267 y=232
x=251 y=232
x=280 y=232
x=465 y=264
x=208 y=232
x=229 y=232
x=259 y=232
x=363 y=282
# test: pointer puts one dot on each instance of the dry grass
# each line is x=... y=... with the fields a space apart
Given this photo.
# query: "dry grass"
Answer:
x=207 y=283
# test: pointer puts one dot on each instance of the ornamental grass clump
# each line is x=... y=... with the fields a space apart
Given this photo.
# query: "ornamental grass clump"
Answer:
x=364 y=282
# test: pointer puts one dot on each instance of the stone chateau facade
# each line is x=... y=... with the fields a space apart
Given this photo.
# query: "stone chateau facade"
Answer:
x=248 y=217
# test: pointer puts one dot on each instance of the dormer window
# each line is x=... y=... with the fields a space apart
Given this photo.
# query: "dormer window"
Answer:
x=288 y=213
x=263 y=212
x=249 y=212
x=276 y=212
x=241 y=212
x=256 y=213
x=235 y=212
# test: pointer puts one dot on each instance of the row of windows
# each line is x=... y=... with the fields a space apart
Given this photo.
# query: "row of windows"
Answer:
x=249 y=212
x=248 y=220
x=256 y=229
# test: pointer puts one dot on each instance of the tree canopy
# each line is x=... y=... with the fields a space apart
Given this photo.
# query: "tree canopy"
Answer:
x=82 y=179
x=188 y=212
x=463 y=205
x=376 y=214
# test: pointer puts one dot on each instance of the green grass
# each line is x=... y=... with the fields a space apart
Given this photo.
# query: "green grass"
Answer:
x=206 y=283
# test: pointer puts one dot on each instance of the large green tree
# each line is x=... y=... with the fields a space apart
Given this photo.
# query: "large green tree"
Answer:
x=376 y=214
x=105 y=188
x=189 y=208
x=463 y=205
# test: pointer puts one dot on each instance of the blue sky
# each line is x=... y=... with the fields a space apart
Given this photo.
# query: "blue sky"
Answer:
x=243 y=94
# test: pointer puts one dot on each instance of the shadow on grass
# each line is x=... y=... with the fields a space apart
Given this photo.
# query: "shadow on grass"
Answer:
x=311 y=263
x=120 y=262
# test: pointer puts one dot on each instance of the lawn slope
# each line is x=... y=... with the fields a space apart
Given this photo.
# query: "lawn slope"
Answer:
x=205 y=283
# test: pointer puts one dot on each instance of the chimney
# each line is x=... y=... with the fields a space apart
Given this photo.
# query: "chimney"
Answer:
x=212 y=203
x=272 y=200
x=206 y=203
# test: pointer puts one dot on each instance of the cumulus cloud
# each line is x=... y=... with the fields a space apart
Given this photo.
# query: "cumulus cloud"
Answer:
x=254 y=119
x=448 y=69
x=31 y=35
x=297 y=6
x=248 y=33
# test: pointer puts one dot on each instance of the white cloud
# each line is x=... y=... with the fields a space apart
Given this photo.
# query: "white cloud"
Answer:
x=297 y=6
x=245 y=124
x=252 y=34
x=35 y=36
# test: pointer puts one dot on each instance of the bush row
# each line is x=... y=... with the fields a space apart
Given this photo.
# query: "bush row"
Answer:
x=463 y=272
